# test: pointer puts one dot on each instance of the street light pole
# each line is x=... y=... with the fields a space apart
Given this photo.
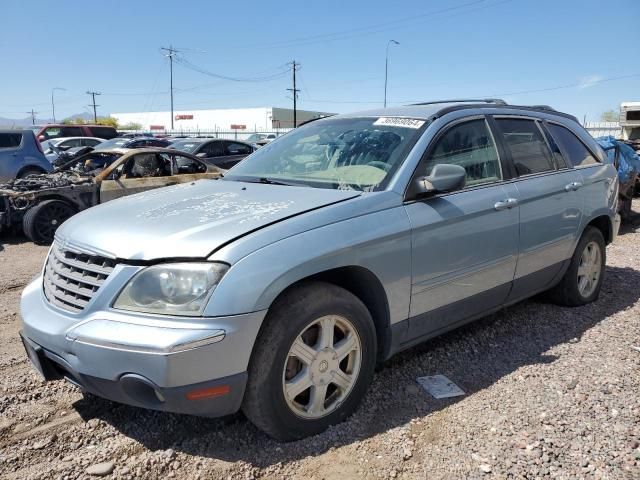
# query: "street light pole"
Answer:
x=53 y=106
x=386 y=69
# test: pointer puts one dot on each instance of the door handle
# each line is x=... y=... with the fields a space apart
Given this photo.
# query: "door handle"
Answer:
x=573 y=186
x=506 y=204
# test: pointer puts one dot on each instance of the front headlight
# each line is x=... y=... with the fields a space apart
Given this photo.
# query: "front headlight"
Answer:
x=172 y=288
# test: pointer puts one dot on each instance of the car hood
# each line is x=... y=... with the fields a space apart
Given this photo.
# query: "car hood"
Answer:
x=189 y=220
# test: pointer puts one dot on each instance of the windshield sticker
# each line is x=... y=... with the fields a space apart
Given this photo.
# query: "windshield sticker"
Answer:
x=399 y=122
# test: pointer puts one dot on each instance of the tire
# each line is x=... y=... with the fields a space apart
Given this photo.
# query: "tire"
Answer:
x=572 y=291
x=29 y=171
x=41 y=221
x=294 y=322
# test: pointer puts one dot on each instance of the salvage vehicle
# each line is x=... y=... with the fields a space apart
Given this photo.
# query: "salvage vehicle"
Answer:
x=627 y=163
x=278 y=288
x=21 y=155
x=221 y=153
x=135 y=142
x=41 y=203
x=55 y=147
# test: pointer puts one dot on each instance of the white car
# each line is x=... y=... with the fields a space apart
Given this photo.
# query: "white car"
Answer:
x=53 y=147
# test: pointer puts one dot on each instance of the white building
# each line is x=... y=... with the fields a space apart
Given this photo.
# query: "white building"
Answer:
x=241 y=120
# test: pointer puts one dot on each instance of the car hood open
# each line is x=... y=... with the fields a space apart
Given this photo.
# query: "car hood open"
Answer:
x=189 y=220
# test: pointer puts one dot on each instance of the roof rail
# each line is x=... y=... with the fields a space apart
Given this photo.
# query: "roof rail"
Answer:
x=543 y=107
x=497 y=101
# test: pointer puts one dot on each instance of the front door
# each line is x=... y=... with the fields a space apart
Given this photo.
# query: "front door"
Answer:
x=464 y=243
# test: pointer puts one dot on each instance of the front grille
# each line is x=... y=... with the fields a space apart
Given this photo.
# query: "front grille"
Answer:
x=71 y=279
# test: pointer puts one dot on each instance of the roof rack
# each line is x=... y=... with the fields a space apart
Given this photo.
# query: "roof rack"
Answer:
x=534 y=108
x=497 y=101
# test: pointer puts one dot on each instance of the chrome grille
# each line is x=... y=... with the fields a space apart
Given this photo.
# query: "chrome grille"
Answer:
x=71 y=278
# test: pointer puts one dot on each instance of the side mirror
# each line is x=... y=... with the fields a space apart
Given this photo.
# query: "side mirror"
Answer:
x=443 y=178
x=41 y=138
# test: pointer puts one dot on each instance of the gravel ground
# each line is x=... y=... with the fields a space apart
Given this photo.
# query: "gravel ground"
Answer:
x=550 y=392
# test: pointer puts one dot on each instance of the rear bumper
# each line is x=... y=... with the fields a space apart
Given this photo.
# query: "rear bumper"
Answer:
x=214 y=398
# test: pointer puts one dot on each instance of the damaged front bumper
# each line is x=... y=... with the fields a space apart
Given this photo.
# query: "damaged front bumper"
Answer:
x=182 y=365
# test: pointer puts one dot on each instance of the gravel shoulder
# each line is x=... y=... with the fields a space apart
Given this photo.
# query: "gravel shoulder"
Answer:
x=550 y=392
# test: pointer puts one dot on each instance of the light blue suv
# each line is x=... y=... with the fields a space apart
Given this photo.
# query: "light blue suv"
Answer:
x=278 y=288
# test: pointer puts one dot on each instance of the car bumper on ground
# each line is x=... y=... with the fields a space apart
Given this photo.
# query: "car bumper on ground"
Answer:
x=194 y=366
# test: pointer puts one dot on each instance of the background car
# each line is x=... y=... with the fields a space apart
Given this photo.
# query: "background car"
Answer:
x=52 y=148
x=60 y=130
x=136 y=142
x=21 y=155
x=41 y=203
x=221 y=153
x=260 y=139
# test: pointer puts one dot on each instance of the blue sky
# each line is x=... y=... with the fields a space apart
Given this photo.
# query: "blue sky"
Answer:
x=568 y=54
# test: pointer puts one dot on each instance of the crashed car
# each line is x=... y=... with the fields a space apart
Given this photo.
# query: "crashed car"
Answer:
x=627 y=163
x=41 y=203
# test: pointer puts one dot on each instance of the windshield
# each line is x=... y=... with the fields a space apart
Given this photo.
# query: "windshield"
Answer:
x=188 y=146
x=340 y=153
x=113 y=143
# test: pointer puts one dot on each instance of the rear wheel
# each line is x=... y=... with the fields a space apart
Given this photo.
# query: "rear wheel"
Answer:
x=582 y=282
x=312 y=362
x=41 y=221
x=29 y=171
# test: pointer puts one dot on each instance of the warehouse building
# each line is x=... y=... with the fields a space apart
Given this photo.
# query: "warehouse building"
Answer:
x=228 y=119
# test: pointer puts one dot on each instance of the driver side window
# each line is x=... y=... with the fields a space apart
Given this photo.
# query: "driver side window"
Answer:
x=471 y=146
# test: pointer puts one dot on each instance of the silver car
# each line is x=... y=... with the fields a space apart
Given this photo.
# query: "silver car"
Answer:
x=278 y=288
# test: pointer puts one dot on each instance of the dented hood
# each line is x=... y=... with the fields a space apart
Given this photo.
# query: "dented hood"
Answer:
x=189 y=220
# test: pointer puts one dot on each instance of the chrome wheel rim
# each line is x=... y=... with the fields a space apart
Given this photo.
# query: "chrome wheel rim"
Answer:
x=322 y=367
x=589 y=269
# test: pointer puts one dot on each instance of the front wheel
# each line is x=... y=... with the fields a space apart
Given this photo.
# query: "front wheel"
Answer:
x=583 y=279
x=312 y=362
x=41 y=221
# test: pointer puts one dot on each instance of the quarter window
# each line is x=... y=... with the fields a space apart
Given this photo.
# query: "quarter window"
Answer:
x=10 y=140
x=578 y=154
x=471 y=146
x=528 y=148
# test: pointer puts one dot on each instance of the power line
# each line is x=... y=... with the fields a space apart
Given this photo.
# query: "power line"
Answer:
x=265 y=78
x=171 y=53
x=33 y=116
x=294 y=90
x=93 y=103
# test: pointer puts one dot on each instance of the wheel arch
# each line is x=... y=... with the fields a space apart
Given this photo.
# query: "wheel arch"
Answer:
x=602 y=223
x=30 y=167
x=367 y=287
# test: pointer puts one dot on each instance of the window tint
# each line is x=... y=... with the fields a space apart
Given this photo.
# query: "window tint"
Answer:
x=527 y=146
x=103 y=132
x=213 y=149
x=469 y=145
x=237 y=149
x=10 y=140
x=71 y=132
x=576 y=151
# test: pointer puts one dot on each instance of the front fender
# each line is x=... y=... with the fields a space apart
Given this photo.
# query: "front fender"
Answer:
x=379 y=242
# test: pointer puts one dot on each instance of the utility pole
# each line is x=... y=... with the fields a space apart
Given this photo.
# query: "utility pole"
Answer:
x=33 y=116
x=93 y=103
x=170 y=53
x=295 y=91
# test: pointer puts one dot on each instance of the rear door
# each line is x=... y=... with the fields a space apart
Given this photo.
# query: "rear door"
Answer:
x=550 y=206
x=464 y=243
x=233 y=153
x=10 y=159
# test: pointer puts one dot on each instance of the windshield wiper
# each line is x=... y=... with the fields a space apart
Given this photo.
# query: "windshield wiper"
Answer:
x=270 y=181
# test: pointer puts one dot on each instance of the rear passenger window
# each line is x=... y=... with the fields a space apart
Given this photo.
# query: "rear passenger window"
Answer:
x=576 y=151
x=10 y=140
x=469 y=145
x=528 y=148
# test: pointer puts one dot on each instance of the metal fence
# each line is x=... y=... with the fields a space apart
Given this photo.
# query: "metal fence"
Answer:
x=603 y=129
x=227 y=134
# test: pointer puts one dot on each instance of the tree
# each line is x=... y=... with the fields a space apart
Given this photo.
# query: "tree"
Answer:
x=131 y=126
x=110 y=121
x=609 y=116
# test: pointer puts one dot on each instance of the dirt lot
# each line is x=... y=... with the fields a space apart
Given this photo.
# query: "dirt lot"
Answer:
x=549 y=392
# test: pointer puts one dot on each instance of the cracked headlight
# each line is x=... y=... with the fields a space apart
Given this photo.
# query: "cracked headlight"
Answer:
x=172 y=288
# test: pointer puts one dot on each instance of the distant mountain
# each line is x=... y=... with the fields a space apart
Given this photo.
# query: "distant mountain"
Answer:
x=26 y=122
